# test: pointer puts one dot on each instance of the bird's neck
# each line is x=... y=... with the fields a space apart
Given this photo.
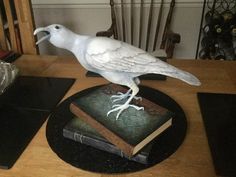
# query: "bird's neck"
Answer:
x=70 y=41
x=78 y=42
x=78 y=49
x=78 y=45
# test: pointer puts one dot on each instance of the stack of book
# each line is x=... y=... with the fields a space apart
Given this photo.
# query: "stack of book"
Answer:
x=130 y=136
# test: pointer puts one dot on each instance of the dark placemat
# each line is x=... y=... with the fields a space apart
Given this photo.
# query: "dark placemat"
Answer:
x=219 y=116
x=17 y=126
x=23 y=109
x=91 y=159
x=36 y=92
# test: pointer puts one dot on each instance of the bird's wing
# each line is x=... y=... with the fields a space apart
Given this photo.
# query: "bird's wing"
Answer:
x=106 y=54
x=112 y=55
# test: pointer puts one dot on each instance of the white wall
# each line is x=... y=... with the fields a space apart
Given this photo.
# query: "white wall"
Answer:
x=91 y=16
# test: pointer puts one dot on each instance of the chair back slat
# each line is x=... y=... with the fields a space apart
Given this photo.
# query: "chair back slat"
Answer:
x=11 y=26
x=17 y=29
x=26 y=26
x=132 y=21
x=167 y=25
x=135 y=22
x=158 y=25
x=113 y=18
x=140 y=22
x=149 y=24
x=141 y=19
x=123 y=20
x=3 y=41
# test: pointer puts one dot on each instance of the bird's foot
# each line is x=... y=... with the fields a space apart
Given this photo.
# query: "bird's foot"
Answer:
x=121 y=96
x=120 y=108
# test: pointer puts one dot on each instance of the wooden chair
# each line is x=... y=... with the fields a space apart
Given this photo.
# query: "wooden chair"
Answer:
x=139 y=24
x=16 y=27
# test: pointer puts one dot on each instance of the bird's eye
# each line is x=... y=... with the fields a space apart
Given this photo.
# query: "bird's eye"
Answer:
x=57 y=27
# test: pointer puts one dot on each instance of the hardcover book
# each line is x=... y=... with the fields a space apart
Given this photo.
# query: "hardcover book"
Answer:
x=79 y=131
x=133 y=130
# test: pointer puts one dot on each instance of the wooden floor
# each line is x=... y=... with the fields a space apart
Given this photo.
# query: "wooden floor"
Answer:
x=192 y=159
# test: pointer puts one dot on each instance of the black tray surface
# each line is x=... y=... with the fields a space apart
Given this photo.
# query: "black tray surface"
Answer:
x=219 y=117
x=91 y=159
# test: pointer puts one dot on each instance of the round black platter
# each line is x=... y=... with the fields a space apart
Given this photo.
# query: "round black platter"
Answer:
x=91 y=159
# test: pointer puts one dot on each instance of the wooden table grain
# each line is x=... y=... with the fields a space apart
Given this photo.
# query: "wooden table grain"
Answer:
x=192 y=159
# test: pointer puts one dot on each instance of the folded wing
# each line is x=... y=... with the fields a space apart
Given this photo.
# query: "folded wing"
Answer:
x=115 y=56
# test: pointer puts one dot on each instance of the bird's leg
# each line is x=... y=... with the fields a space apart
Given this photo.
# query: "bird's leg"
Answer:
x=121 y=96
x=120 y=108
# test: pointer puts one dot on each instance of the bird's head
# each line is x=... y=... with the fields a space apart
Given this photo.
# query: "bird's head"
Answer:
x=56 y=34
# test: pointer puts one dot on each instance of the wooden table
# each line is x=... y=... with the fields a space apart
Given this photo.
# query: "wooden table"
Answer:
x=192 y=159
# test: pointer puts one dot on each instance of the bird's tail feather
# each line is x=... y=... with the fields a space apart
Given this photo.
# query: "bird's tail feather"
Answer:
x=178 y=74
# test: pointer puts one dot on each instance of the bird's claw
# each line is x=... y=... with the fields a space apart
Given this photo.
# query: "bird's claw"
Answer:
x=118 y=95
x=121 y=108
x=121 y=96
x=116 y=105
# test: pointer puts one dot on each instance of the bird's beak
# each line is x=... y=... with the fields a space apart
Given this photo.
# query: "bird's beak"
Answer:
x=46 y=31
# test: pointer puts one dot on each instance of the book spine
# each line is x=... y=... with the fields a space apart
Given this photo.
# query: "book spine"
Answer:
x=109 y=135
x=102 y=145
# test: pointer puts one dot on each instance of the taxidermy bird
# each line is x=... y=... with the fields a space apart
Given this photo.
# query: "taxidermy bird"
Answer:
x=116 y=61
